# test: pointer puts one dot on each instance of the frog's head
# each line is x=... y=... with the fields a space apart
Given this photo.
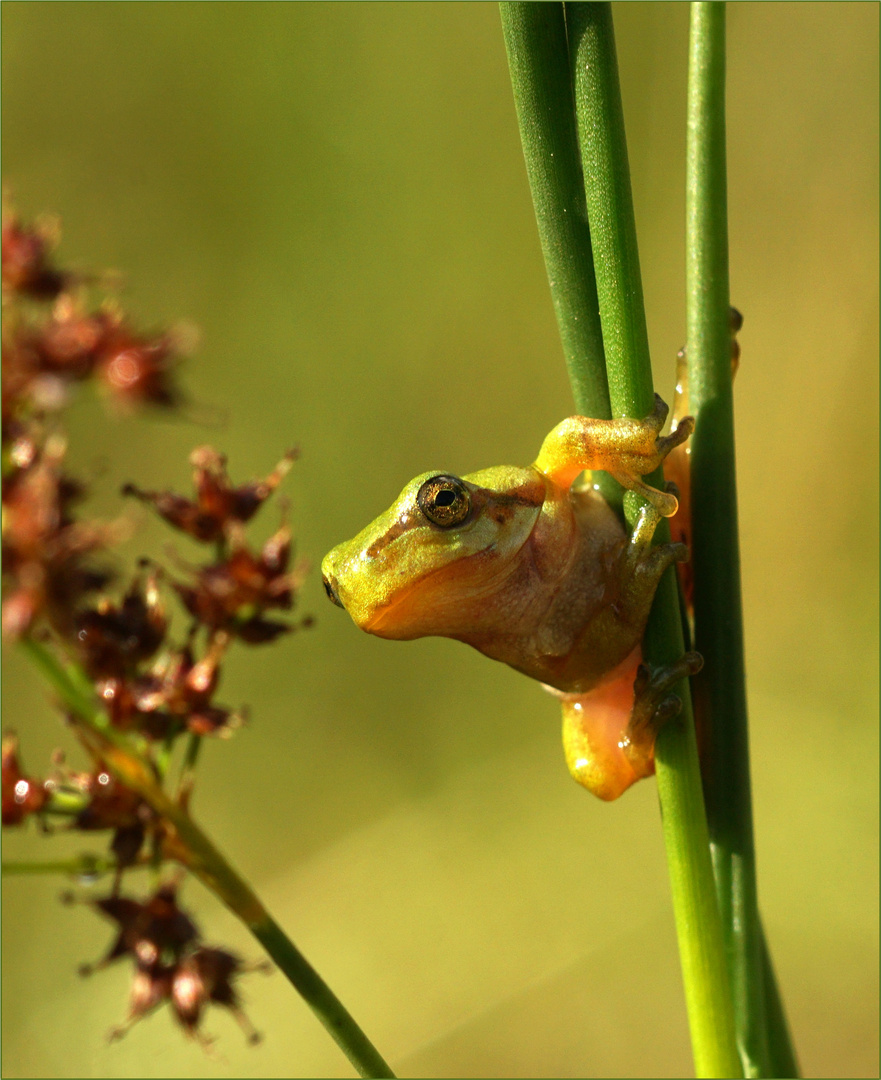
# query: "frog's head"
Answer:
x=439 y=556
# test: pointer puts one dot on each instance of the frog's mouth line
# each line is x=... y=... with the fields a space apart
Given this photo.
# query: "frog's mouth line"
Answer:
x=370 y=626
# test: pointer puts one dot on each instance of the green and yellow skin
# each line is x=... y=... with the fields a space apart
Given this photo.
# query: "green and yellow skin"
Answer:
x=539 y=574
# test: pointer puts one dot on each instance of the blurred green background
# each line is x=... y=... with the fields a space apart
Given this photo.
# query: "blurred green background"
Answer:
x=334 y=194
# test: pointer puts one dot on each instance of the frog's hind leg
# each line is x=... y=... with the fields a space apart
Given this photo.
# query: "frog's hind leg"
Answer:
x=609 y=733
x=627 y=449
x=653 y=706
x=594 y=725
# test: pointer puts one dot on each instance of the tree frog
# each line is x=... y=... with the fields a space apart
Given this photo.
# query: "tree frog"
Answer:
x=538 y=572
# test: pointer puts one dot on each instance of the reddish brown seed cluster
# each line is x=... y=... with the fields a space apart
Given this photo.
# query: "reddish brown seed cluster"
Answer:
x=26 y=265
x=232 y=594
x=55 y=575
x=171 y=696
x=217 y=507
x=170 y=963
x=48 y=556
x=45 y=352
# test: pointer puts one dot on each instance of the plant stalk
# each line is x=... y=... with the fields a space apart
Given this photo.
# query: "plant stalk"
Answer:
x=720 y=689
x=80 y=866
x=538 y=59
x=619 y=287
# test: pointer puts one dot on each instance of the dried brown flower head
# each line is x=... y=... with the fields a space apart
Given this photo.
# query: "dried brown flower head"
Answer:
x=206 y=976
x=175 y=694
x=170 y=964
x=45 y=551
x=26 y=266
x=233 y=593
x=217 y=505
x=117 y=649
x=113 y=640
x=154 y=933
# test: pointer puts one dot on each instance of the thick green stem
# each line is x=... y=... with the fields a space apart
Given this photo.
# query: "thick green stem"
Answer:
x=720 y=689
x=196 y=851
x=619 y=287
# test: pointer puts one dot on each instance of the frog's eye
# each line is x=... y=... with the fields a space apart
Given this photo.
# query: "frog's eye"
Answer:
x=445 y=501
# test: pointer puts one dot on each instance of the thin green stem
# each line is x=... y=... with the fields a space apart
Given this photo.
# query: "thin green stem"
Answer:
x=188 y=767
x=781 y=1048
x=538 y=58
x=195 y=850
x=163 y=752
x=66 y=802
x=81 y=866
x=619 y=287
x=610 y=207
x=720 y=689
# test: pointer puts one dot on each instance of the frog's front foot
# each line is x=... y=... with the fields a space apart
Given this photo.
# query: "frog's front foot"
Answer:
x=647 y=521
x=643 y=564
x=653 y=706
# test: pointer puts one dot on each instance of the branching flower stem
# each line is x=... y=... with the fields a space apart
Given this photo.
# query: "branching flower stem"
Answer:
x=191 y=847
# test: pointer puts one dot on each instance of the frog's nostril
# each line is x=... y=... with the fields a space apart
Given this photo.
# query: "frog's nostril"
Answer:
x=331 y=591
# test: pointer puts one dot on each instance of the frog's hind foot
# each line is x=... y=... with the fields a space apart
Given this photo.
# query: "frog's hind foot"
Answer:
x=656 y=419
x=649 y=568
x=677 y=436
x=654 y=705
x=626 y=448
x=665 y=503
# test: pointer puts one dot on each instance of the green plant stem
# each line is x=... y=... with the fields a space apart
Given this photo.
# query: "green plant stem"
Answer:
x=538 y=60
x=619 y=287
x=781 y=1048
x=720 y=689
x=610 y=207
x=66 y=803
x=81 y=866
x=188 y=767
x=196 y=851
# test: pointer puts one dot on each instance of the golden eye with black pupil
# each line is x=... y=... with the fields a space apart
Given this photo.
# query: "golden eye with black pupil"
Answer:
x=445 y=501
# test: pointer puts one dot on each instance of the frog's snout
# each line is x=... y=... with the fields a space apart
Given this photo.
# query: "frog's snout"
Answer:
x=330 y=589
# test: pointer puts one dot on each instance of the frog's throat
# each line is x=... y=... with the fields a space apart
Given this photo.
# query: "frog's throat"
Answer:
x=385 y=619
